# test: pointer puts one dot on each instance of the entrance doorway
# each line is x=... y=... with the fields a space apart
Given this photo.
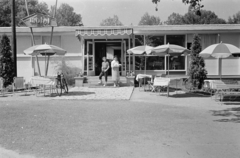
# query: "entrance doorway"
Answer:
x=107 y=49
x=96 y=50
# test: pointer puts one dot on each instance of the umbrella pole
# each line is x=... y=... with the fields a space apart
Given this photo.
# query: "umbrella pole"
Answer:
x=145 y=64
x=39 y=72
x=168 y=65
x=47 y=65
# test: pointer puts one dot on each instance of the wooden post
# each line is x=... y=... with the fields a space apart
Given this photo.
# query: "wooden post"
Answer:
x=47 y=65
x=129 y=59
x=14 y=41
x=38 y=66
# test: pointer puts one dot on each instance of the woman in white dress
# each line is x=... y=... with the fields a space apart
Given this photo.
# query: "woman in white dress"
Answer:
x=115 y=71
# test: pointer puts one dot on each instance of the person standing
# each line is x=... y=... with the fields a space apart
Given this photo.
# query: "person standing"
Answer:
x=115 y=71
x=104 y=72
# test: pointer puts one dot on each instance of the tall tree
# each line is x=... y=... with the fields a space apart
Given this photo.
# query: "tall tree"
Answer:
x=33 y=6
x=235 y=19
x=111 y=21
x=174 y=19
x=197 y=72
x=194 y=5
x=207 y=17
x=147 y=19
x=66 y=16
x=6 y=61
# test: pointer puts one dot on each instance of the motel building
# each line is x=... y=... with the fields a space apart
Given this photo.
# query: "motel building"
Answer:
x=86 y=46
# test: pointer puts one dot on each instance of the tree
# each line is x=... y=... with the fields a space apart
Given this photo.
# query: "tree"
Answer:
x=197 y=72
x=207 y=17
x=235 y=19
x=111 y=21
x=6 y=61
x=66 y=16
x=21 y=12
x=149 y=20
x=194 y=5
x=174 y=19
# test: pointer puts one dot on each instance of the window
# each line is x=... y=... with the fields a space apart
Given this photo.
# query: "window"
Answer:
x=152 y=63
x=176 y=63
x=154 y=41
x=176 y=39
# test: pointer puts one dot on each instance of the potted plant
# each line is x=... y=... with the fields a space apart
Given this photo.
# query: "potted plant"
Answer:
x=79 y=80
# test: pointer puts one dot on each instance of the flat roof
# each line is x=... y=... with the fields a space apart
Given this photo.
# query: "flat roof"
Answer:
x=137 y=29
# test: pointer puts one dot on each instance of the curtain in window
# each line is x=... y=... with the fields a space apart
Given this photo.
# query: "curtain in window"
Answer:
x=208 y=39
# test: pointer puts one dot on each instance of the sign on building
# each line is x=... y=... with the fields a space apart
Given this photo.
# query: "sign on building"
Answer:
x=39 y=20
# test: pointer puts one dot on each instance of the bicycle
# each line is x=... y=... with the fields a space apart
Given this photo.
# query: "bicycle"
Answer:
x=61 y=84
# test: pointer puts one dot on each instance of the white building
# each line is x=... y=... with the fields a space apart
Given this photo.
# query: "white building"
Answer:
x=87 y=45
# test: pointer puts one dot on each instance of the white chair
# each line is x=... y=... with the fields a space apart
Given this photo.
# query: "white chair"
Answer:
x=1 y=86
x=160 y=82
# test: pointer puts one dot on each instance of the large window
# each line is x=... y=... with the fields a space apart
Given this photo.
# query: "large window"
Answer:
x=152 y=62
x=176 y=62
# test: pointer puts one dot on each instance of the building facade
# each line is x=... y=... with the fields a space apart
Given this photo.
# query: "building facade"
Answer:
x=87 y=45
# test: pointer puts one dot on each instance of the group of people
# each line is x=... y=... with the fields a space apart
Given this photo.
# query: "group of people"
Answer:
x=115 y=71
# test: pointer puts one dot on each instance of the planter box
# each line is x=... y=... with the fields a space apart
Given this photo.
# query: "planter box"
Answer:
x=79 y=81
x=130 y=80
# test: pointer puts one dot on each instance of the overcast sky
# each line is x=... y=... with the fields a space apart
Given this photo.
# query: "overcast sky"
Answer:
x=131 y=11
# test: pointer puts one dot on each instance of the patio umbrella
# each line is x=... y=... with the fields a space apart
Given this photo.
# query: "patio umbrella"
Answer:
x=169 y=50
x=44 y=50
x=220 y=50
x=141 y=50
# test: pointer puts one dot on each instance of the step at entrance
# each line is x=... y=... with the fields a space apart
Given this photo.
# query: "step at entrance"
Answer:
x=94 y=81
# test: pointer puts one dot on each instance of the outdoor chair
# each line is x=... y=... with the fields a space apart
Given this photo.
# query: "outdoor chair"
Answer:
x=18 y=84
x=1 y=86
x=161 y=83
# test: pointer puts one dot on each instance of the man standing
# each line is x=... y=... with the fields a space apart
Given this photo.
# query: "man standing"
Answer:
x=105 y=67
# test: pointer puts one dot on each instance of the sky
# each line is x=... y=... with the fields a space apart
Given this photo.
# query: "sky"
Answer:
x=131 y=11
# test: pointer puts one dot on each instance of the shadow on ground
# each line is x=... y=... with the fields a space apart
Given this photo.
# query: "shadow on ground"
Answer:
x=229 y=114
x=190 y=95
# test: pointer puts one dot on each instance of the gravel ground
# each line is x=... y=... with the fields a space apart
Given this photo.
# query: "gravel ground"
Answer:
x=115 y=129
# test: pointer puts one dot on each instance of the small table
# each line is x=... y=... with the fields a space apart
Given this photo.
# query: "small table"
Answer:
x=130 y=80
x=44 y=81
x=143 y=77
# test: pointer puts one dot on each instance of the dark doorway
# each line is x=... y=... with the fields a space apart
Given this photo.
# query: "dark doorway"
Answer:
x=100 y=51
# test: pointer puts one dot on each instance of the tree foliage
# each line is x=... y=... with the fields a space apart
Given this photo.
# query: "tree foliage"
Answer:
x=20 y=9
x=66 y=16
x=6 y=61
x=197 y=72
x=111 y=21
x=207 y=17
x=147 y=19
x=194 y=5
x=235 y=19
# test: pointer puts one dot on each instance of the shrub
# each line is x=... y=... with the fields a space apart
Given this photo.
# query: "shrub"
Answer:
x=6 y=61
x=197 y=72
x=67 y=69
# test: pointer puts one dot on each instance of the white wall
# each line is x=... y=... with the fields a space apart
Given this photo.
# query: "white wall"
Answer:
x=231 y=38
x=24 y=68
x=211 y=66
x=230 y=66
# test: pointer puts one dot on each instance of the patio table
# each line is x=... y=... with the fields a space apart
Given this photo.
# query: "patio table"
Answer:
x=43 y=81
x=142 y=77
